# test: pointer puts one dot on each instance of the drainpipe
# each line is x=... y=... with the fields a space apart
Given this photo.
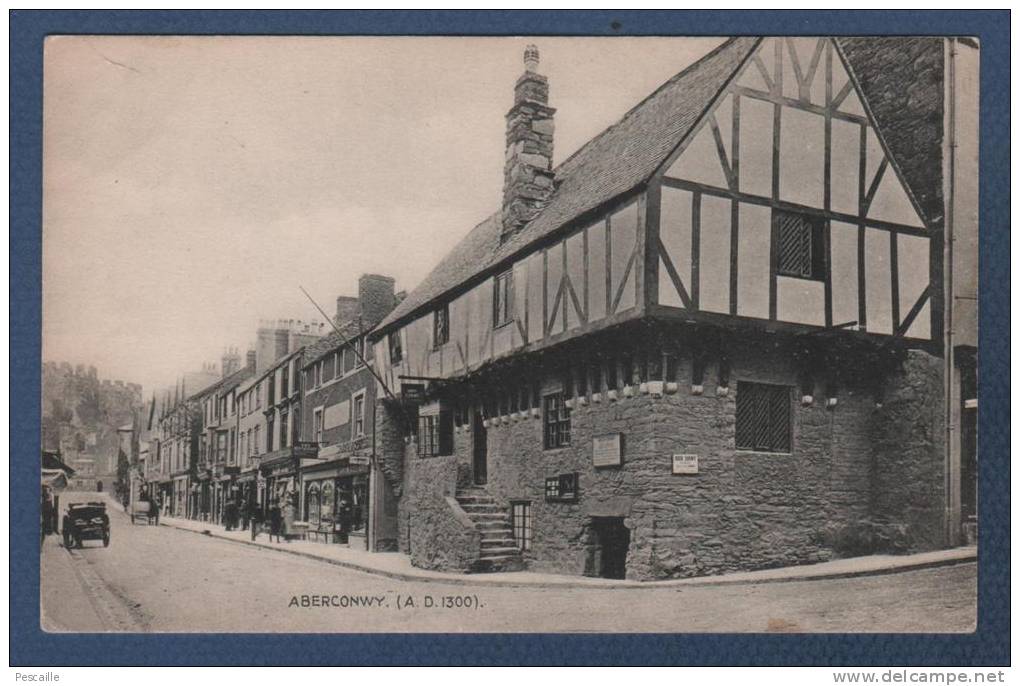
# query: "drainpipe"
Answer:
x=949 y=186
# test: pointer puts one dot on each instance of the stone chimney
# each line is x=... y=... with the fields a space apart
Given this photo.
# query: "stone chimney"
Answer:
x=230 y=362
x=347 y=309
x=375 y=298
x=527 y=173
x=250 y=359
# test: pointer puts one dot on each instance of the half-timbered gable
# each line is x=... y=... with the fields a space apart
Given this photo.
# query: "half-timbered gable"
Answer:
x=785 y=203
x=755 y=184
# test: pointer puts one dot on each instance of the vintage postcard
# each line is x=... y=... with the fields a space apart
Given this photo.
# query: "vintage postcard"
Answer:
x=517 y=334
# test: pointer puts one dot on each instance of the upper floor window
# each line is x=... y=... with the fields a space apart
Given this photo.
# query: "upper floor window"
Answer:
x=317 y=425
x=316 y=374
x=502 y=297
x=800 y=245
x=284 y=418
x=557 y=422
x=285 y=382
x=358 y=414
x=764 y=417
x=441 y=326
x=359 y=355
x=396 y=351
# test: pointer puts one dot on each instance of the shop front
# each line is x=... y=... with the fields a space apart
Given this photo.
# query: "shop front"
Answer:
x=334 y=498
x=280 y=469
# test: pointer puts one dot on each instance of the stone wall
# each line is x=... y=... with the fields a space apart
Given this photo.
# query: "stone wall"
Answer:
x=851 y=465
x=438 y=534
x=909 y=457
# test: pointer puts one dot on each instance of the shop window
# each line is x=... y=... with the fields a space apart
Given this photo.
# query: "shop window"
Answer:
x=800 y=244
x=764 y=417
x=441 y=326
x=502 y=298
x=557 y=422
x=312 y=505
x=521 y=512
x=326 y=506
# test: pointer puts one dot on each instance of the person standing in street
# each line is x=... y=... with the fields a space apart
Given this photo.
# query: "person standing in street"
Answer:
x=275 y=521
x=256 y=520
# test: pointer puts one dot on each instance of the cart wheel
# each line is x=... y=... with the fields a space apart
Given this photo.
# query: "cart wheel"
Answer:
x=106 y=539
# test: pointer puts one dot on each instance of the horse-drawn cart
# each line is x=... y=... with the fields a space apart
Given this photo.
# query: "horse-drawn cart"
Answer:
x=144 y=510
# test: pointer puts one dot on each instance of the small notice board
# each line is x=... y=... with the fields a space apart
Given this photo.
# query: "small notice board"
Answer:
x=607 y=450
x=685 y=463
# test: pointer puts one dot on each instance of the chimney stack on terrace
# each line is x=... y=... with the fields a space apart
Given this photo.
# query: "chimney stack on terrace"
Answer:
x=528 y=172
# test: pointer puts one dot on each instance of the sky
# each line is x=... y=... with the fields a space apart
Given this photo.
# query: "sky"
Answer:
x=191 y=185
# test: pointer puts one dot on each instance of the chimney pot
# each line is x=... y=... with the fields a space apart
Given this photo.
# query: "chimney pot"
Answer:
x=531 y=57
x=528 y=179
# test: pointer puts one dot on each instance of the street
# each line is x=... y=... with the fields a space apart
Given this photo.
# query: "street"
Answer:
x=154 y=579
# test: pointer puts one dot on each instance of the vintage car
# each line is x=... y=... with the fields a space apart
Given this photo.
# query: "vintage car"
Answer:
x=86 y=521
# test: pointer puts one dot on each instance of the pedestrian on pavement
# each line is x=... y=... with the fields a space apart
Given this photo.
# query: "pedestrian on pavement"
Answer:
x=244 y=514
x=256 y=520
x=230 y=515
x=275 y=521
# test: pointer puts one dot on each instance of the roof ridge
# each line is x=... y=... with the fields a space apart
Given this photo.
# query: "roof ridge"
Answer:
x=680 y=74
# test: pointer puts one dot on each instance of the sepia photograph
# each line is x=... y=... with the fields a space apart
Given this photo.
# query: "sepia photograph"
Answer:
x=519 y=334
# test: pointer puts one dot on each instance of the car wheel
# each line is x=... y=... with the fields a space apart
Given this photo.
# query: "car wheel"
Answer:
x=78 y=542
x=68 y=539
x=106 y=539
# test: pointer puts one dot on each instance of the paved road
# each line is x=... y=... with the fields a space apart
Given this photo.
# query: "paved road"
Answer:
x=164 y=579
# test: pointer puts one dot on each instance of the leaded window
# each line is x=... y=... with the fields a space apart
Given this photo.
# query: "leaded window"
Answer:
x=764 y=417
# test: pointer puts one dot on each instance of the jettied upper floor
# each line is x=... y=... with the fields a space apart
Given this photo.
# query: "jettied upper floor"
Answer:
x=785 y=183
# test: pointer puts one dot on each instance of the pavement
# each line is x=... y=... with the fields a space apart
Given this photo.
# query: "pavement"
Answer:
x=398 y=566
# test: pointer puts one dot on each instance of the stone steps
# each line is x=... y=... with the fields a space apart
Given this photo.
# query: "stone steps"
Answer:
x=497 y=550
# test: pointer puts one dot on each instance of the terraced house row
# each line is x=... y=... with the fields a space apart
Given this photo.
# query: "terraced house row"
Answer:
x=735 y=330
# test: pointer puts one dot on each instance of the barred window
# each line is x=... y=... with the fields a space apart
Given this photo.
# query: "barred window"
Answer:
x=764 y=417
x=799 y=249
x=557 y=422
x=521 y=511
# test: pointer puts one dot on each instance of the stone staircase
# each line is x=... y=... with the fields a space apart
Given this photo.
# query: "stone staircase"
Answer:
x=498 y=551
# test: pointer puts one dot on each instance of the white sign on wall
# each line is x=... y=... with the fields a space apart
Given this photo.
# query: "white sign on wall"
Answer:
x=337 y=415
x=607 y=450
x=685 y=464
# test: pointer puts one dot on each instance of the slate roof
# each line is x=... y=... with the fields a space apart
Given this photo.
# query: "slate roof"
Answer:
x=901 y=78
x=625 y=155
x=332 y=341
x=223 y=385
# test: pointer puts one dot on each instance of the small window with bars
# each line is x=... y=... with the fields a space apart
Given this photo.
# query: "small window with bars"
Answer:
x=799 y=245
x=557 y=422
x=764 y=417
x=521 y=511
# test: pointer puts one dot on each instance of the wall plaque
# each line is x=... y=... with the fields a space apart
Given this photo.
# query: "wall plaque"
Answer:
x=607 y=450
x=685 y=464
